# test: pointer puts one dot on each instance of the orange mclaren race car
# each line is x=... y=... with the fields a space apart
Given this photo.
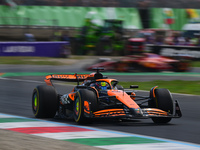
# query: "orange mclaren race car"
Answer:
x=100 y=97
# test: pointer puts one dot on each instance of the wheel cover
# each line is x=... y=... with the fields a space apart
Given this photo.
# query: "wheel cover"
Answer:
x=35 y=102
x=77 y=106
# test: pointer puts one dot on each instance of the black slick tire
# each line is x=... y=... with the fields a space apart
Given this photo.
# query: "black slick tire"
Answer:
x=44 y=101
x=163 y=101
x=78 y=106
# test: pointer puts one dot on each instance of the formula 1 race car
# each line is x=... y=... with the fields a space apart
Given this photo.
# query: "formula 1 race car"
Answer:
x=100 y=97
x=143 y=62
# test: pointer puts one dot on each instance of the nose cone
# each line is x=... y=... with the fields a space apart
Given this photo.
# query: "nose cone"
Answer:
x=137 y=112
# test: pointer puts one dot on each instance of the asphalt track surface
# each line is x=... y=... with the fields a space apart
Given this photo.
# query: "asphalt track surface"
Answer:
x=16 y=94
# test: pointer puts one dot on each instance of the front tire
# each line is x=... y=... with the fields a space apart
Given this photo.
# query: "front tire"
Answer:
x=78 y=107
x=44 y=101
x=163 y=100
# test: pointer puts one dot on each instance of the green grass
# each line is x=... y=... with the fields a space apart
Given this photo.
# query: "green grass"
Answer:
x=195 y=64
x=176 y=86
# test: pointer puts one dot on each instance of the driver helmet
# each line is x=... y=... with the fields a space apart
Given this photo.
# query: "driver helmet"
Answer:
x=100 y=85
x=103 y=86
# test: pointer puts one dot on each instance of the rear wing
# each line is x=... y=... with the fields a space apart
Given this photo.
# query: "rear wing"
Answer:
x=66 y=77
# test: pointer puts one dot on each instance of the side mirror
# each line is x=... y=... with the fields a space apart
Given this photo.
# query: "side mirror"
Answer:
x=134 y=86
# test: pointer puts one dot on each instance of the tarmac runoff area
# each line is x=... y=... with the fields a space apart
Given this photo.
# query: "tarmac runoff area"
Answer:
x=22 y=133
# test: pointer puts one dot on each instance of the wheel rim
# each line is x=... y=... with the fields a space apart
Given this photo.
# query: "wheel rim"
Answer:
x=35 y=102
x=77 y=106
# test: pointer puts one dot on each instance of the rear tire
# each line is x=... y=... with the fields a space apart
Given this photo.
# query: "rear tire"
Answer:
x=44 y=101
x=78 y=107
x=163 y=101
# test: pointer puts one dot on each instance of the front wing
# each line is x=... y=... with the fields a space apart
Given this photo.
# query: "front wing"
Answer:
x=131 y=113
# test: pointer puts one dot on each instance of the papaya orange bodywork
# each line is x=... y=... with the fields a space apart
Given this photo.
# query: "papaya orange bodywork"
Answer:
x=124 y=98
x=109 y=112
x=71 y=77
x=86 y=107
x=72 y=96
x=120 y=95
x=154 y=91
x=155 y=111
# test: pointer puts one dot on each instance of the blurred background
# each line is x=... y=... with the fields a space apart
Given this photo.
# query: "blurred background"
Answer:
x=119 y=35
x=100 y=27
